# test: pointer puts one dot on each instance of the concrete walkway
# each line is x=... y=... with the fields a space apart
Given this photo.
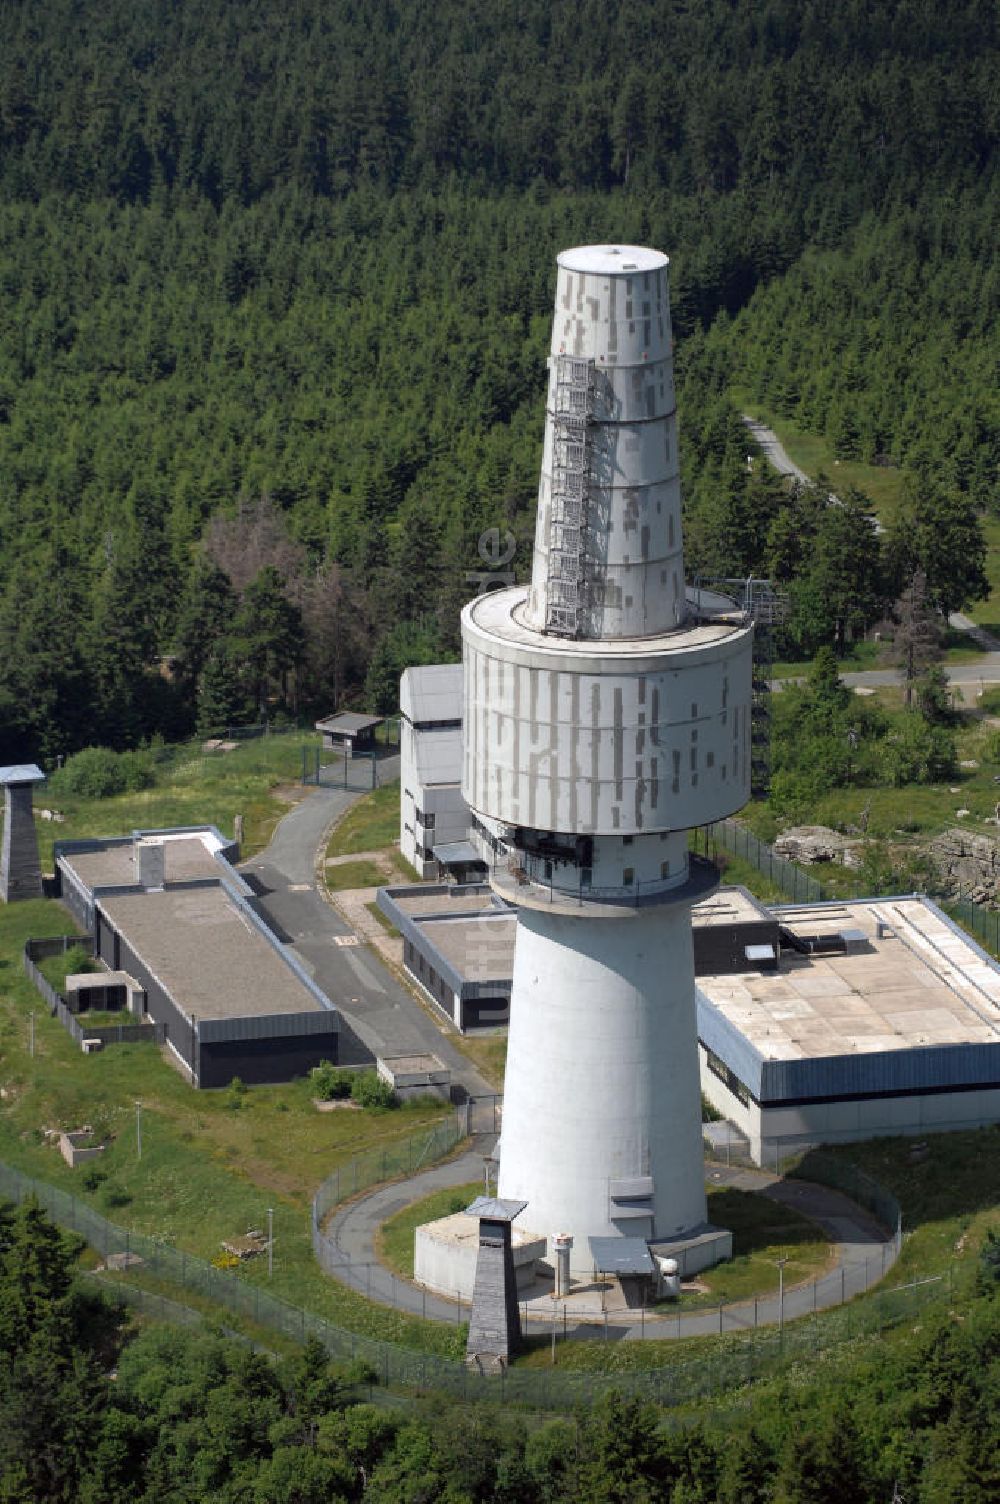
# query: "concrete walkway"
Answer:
x=862 y=1254
x=379 y=1015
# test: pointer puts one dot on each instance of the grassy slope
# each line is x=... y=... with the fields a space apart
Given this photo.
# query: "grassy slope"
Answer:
x=192 y=788
x=208 y=1169
x=949 y=1200
x=911 y=813
x=369 y=825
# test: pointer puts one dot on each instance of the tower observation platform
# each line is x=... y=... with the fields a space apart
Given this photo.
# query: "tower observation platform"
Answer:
x=603 y=719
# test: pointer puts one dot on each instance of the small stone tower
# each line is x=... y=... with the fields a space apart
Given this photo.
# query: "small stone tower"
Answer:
x=20 y=870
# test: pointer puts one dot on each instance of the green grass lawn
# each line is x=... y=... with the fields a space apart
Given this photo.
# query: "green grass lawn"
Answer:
x=488 y=1053
x=949 y=1201
x=394 y=1242
x=763 y=1231
x=349 y=875
x=814 y=454
x=192 y=788
x=370 y=824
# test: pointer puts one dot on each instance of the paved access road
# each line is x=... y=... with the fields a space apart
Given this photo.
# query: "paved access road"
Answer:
x=378 y=1015
x=862 y=1254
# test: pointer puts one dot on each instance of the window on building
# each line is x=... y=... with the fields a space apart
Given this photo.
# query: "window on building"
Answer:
x=728 y=1077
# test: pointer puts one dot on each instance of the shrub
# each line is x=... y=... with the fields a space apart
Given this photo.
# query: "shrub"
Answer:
x=236 y=1094
x=329 y=1083
x=988 y=1273
x=117 y=1195
x=93 y=1177
x=99 y=772
x=369 y=1090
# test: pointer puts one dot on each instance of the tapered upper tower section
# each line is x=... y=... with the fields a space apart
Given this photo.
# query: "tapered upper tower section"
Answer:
x=608 y=560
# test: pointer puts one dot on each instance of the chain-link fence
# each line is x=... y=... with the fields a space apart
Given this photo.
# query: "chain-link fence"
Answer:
x=407 y=1157
x=980 y=921
x=741 y=842
x=748 y=1354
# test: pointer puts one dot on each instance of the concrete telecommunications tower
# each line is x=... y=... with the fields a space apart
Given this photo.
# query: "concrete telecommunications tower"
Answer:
x=604 y=718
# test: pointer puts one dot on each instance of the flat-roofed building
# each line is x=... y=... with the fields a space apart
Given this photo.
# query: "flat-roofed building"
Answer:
x=817 y=1024
x=350 y=732
x=432 y=809
x=878 y=1016
x=458 y=946
x=168 y=908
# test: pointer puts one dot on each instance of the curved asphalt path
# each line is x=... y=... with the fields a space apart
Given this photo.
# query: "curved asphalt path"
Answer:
x=378 y=1015
x=863 y=1254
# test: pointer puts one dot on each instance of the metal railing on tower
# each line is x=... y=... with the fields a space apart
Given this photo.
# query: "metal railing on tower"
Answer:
x=574 y=396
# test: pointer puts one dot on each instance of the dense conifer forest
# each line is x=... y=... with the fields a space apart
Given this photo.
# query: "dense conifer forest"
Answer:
x=276 y=283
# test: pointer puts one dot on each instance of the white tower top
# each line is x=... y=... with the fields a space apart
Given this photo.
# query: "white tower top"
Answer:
x=608 y=561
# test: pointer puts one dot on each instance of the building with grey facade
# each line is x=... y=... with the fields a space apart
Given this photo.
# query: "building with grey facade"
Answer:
x=433 y=812
x=168 y=908
x=816 y=1024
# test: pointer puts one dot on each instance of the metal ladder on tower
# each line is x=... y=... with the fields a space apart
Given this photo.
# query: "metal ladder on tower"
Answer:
x=570 y=485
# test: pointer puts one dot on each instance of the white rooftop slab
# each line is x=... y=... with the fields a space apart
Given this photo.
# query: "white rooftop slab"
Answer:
x=432 y=692
x=728 y=906
x=501 y=613
x=612 y=260
x=21 y=772
x=186 y=856
x=915 y=981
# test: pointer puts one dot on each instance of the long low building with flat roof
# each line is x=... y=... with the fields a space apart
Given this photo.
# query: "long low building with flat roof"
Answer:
x=816 y=1024
x=878 y=1016
x=458 y=946
x=170 y=910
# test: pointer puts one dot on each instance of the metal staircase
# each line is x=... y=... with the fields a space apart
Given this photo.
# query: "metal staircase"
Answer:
x=574 y=395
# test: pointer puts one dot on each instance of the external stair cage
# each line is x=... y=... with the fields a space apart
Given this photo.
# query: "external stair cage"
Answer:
x=574 y=395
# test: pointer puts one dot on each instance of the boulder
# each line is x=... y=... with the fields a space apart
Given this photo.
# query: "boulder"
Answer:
x=814 y=843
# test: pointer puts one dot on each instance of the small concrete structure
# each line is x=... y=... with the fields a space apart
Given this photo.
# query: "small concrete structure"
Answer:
x=352 y=734
x=495 y=1326
x=702 y=1248
x=415 y=1076
x=445 y=1254
x=104 y=991
x=75 y=1149
x=20 y=870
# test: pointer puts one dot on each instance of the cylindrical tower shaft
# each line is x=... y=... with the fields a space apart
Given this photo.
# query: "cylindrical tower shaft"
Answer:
x=602 y=1119
x=601 y=723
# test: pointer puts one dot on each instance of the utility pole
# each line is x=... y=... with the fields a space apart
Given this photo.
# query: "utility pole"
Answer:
x=270 y=1241
x=138 y=1130
x=31 y=1033
x=781 y=1293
